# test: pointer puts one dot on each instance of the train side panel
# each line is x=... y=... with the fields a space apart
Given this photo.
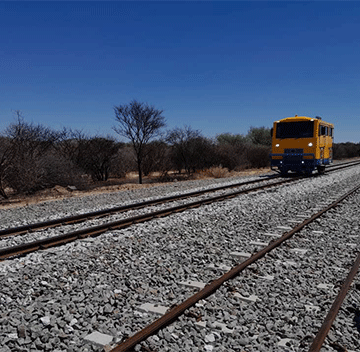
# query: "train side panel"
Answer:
x=324 y=150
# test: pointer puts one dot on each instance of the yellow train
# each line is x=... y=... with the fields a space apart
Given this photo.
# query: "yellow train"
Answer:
x=301 y=144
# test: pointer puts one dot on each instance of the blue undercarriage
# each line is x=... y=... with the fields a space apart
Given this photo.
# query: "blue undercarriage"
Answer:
x=297 y=163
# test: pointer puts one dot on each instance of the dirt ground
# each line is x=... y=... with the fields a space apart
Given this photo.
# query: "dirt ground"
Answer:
x=113 y=185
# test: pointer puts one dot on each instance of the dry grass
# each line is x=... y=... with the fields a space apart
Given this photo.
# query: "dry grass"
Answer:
x=117 y=185
x=213 y=172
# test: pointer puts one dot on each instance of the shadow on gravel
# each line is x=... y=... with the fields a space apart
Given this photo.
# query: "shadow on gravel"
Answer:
x=356 y=312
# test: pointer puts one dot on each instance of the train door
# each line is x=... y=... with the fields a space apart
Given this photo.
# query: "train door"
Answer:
x=322 y=144
x=323 y=132
x=330 y=143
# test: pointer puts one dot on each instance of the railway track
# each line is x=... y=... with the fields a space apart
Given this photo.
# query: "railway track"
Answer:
x=51 y=241
x=110 y=211
x=175 y=312
x=18 y=230
x=151 y=263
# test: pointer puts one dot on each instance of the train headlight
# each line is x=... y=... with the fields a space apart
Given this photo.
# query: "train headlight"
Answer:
x=277 y=145
x=310 y=144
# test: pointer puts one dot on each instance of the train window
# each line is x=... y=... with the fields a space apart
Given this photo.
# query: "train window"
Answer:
x=300 y=129
x=331 y=132
x=322 y=131
x=326 y=131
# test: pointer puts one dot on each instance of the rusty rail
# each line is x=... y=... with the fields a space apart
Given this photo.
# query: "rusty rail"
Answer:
x=177 y=311
x=82 y=217
x=325 y=327
x=97 y=230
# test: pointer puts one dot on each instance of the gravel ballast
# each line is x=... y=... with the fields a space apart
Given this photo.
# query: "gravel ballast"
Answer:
x=53 y=300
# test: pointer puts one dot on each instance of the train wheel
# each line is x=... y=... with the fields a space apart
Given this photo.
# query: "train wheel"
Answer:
x=321 y=169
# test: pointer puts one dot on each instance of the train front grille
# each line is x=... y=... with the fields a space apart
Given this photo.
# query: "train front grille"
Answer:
x=294 y=151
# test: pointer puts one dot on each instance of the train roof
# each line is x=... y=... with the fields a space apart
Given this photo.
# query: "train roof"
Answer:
x=304 y=118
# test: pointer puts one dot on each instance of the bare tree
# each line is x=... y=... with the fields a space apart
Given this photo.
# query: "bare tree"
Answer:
x=29 y=147
x=69 y=142
x=190 y=150
x=155 y=157
x=92 y=155
x=180 y=140
x=95 y=156
x=138 y=122
x=6 y=156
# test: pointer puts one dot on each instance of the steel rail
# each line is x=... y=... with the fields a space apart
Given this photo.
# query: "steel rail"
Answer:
x=325 y=327
x=209 y=289
x=99 y=229
x=355 y=161
x=342 y=166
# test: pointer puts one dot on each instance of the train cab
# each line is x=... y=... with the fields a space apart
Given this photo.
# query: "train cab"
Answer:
x=301 y=144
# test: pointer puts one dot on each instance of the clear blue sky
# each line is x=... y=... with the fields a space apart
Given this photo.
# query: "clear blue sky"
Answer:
x=215 y=66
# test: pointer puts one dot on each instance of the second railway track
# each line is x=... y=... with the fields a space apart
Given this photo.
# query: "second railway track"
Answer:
x=58 y=239
x=263 y=182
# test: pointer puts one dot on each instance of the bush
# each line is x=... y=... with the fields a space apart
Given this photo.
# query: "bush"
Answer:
x=258 y=156
x=190 y=150
x=123 y=162
x=232 y=157
x=29 y=147
x=346 y=150
x=260 y=136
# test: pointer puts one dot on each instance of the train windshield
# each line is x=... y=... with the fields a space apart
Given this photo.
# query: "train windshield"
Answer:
x=300 y=129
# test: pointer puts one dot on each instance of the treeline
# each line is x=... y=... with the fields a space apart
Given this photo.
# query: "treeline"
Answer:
x=34 y=157
x=346 y=150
